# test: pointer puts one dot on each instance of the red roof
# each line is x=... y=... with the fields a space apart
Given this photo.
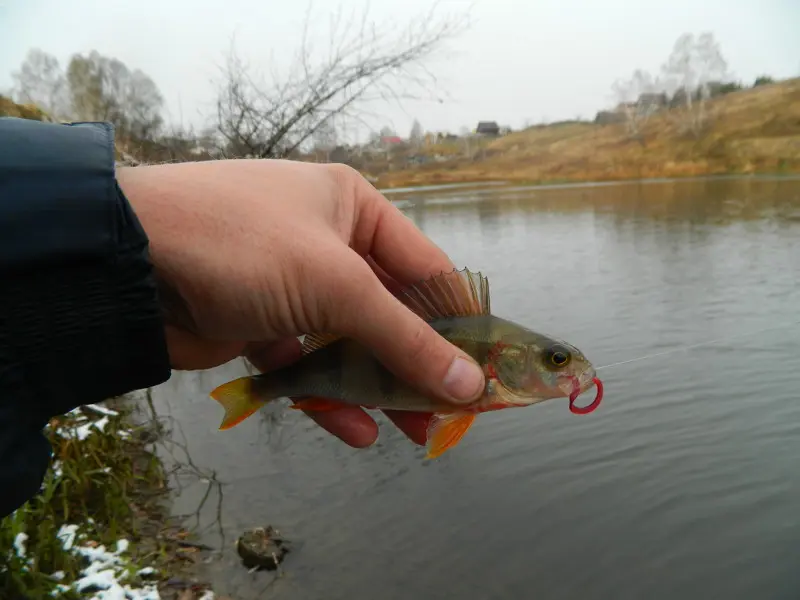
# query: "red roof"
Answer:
x=391 y=139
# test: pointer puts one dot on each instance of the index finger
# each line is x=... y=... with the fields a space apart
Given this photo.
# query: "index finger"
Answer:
x=395 y=243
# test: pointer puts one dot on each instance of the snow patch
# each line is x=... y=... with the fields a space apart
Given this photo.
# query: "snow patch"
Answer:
x=67 y=535
x=102 y=577
x=19 y=544
x=84 y=431
x=81 y=432
x=102 y=410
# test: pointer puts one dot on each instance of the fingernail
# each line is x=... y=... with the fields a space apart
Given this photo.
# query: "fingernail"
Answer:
x=464 y=380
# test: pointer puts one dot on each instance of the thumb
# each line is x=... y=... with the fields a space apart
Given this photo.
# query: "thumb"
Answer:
x=407 y=345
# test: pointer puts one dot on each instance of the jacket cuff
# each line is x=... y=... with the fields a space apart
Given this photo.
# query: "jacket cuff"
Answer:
x=81 y=311
x=80 y=319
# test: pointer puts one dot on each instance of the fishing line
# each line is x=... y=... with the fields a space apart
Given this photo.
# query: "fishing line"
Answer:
x=698 y=345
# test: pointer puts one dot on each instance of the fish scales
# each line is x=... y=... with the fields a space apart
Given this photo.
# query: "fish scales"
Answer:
x=522 y=367
x=347 y=371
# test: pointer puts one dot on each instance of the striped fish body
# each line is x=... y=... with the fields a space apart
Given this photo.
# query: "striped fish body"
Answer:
x=349 y=372
x=522 y=367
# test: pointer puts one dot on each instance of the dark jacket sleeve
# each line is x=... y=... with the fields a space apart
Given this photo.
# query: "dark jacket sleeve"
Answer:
x=79 y=314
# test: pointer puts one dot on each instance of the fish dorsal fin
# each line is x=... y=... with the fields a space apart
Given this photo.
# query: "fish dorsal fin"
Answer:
x=315 y=341
x=454 y=294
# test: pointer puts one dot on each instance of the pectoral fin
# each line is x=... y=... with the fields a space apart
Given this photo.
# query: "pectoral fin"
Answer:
x=445 y=432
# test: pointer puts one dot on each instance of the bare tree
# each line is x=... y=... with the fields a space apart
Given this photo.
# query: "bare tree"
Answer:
x=40 y=81
x=102 y=88
x=465 y=139
x=362 y=63
x=416 y=135
x=94 y=87
x=637 y=99
x=693 y=65
x=325 y=138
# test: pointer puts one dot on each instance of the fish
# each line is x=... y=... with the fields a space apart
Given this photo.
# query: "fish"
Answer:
x=522 y=367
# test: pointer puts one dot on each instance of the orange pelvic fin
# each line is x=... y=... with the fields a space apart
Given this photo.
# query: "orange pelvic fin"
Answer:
x=315 y=404
x=446 y=430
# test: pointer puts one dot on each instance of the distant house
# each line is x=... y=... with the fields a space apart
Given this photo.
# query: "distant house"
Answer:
x=607 y=117
x=388 y=141
x=648 y=100
x=487 y=128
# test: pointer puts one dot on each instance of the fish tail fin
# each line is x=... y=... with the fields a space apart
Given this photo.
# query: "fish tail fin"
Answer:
x=238 y=400
x=446 y=430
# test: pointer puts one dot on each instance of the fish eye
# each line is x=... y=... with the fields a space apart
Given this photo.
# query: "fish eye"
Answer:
x=557 y=357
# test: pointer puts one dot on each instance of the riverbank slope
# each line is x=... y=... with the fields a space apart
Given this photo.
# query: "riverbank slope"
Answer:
x=100 y=526
x=754 y=130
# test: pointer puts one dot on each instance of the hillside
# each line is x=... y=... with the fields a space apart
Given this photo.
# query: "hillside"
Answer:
x=755 y=130
x=9 y=108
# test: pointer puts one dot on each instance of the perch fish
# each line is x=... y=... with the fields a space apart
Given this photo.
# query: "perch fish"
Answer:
x=522 y=367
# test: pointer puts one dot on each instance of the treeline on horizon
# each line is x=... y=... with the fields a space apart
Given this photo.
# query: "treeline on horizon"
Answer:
x=304 y=113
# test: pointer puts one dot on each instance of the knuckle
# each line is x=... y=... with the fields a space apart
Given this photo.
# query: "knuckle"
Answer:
x=344 y=175
x=343 y=170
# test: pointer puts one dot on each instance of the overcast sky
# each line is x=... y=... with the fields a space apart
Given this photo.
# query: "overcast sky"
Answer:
x=521 y=60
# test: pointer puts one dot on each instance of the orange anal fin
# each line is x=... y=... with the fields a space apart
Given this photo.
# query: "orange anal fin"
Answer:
x=314 y=404
x=446 y=431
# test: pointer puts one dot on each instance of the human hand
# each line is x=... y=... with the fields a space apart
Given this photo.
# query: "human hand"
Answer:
x=250 y=254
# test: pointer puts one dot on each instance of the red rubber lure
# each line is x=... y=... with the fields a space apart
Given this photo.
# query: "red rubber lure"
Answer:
x=585 y=410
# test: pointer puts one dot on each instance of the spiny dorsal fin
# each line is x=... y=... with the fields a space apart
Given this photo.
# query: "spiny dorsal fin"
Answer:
x=454 y=294
x=315 y=341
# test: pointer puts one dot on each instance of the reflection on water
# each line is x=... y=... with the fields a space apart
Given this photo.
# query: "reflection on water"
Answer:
x=682 y=485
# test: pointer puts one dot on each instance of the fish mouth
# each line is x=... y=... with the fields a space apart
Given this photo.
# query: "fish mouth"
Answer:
x=574 y=386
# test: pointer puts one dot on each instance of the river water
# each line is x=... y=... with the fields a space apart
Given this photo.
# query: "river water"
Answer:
x=685 y=483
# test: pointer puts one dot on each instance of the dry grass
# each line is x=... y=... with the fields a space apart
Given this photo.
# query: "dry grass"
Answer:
x=751 y=131
x=754 y=130
x=108 y=485
x=9 y=108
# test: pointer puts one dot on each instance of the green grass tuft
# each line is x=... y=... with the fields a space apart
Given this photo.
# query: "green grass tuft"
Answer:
x=104 y=485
